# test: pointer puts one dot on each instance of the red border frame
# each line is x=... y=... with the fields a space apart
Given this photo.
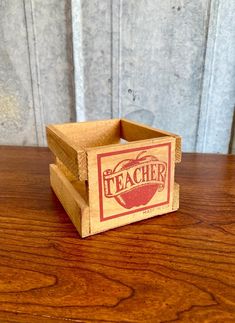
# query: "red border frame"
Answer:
x=99 y=156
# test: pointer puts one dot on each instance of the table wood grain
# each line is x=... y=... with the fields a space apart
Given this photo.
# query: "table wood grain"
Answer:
x=176 y=267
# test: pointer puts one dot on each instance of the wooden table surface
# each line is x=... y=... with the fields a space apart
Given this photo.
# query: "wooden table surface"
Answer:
x=176 y=267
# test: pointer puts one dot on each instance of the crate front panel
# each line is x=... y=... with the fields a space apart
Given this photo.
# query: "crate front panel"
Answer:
x=130 y=182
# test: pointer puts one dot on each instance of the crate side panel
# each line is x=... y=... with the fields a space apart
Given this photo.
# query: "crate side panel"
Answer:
x=72 y=202
x=70 y=176
x=130 y=182
x=80 y=186
x=62 y=150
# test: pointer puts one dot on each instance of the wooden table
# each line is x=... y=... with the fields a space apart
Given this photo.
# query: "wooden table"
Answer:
x=179 y=266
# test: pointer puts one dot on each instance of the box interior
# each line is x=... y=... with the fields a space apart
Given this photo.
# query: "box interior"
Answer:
x=106 y=132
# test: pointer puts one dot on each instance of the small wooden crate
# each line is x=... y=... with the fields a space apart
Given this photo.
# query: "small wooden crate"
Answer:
x=113 y=172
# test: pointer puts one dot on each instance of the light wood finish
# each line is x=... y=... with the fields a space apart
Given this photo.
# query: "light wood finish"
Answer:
x=140 y=173
x=69 y=142
x=132 y=131
x=113 y=213
x=176 y=200
x=89 y=134
x=62 y=147
x=72 y=198
x=71 y=177
x=176 y=267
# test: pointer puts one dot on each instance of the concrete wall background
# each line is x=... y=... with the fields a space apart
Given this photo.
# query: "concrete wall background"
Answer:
x=170 y=64
x=36 y=69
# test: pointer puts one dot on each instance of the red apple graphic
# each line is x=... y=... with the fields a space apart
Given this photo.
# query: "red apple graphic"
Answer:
x=141 y=194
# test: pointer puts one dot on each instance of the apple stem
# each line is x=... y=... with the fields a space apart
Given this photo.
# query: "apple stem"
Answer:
x=142 y=152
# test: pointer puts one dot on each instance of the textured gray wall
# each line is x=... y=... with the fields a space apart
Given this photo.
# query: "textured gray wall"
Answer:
x=167 y=63
x=218 y=87
x=36 y=69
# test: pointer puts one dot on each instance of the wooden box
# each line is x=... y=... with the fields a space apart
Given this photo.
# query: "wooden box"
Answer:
x=113 y=172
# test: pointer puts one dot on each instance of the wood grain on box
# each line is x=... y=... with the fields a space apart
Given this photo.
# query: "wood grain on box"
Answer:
x=123 y=181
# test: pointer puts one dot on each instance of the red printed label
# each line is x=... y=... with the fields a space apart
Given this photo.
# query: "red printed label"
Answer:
x=135 y=180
